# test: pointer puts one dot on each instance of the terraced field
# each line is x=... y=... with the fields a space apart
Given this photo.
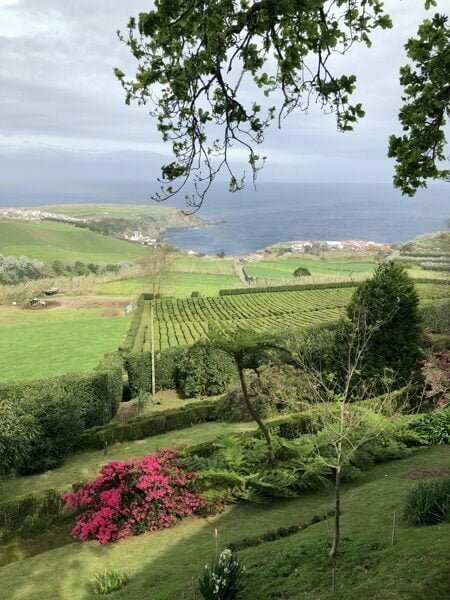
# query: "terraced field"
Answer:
x=181 y=322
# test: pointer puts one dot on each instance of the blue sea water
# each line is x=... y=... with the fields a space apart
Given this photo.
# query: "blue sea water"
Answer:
x=284 y=211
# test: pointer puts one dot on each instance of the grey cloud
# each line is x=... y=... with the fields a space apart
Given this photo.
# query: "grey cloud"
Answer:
x=62 y=112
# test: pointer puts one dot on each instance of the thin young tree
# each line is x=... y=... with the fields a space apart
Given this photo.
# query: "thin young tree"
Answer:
x=348 y=424
x=156 y=264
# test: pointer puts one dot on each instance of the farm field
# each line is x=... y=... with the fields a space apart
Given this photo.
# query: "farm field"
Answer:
x=163 y=564
x=48 y=241
x=116 y=211
x=43 y=343
x=284 y=268
x=180 y=322
x=177 y=284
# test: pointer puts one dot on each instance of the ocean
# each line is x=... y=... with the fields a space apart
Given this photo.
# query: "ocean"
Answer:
x=251 y=220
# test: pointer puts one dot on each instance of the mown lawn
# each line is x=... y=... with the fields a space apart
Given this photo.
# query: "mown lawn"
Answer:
x=43 y=343
x=163 y=565
x=56 y=241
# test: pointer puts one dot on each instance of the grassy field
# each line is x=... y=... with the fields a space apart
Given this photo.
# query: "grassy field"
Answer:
x=177 y=284
x=284 y=268
x=162 y=565
x=113 y=211
x=56 y=241
x=43 y=343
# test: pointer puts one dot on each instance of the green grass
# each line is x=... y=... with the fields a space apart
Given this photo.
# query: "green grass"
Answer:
x=111 y=211
x=56 y=241
x=36 y=345
x=192 y=264
x=162 y=565
x=284 y=268
x=86 y=465
x=177 y=284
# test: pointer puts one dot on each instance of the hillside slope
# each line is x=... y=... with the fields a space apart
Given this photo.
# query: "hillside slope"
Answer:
x=49 y=241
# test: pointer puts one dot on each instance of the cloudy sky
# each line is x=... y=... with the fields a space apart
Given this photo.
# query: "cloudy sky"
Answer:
x=64 y=124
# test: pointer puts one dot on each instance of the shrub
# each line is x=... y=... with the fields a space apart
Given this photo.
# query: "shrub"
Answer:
x=205 y=370
x=138 y=366
x=222 y=580
x=60 y=408
x=60 y=422
x=17 y=432
x=287 y=288
x=108 y=582
x=436 y=316
x=428 y=502
x=131 y=497
x=436 y=371
x=434 y=427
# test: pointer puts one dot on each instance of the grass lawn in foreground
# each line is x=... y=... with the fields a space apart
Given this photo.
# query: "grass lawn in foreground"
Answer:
x=162 y=565
x=49 y=241
x=43 y=343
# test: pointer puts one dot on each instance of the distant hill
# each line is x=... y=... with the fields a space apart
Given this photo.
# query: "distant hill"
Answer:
x=429 y=243
x=48 y=241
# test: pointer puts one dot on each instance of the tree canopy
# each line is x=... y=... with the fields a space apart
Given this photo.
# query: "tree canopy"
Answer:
x=420 y=150
x=197 y=57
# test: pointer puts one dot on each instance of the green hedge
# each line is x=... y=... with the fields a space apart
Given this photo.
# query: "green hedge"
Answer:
x=59 y=409
x=155 y=424
x=128 y=341
x=138 y=366
x=288 y=288
x=31 y=514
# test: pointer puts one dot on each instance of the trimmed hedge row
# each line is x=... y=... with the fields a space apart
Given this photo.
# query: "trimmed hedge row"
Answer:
x=288 y=288
x=311 y=286
x=155 y=424
x=128 y=341
x=58 y=410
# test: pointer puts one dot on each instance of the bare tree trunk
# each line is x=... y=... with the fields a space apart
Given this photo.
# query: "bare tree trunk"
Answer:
x=254 y=414
x=337 y=513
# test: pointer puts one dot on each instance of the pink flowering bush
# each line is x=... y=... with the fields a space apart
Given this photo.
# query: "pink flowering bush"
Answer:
x=134 y=496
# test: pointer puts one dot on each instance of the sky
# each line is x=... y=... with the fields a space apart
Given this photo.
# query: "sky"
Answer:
x=64 y=124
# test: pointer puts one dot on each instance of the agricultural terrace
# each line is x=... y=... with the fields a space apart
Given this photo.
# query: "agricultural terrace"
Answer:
x=36 y=344
x=183 y=321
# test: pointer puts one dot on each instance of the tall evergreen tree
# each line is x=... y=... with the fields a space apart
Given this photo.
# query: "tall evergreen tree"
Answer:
x=388 y=303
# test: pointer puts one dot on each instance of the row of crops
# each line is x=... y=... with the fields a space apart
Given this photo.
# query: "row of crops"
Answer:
x=181 y=322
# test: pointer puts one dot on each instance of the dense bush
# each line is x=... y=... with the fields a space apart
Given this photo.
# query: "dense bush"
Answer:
x=436 y=316
x=205 y=370
x=274 y=390
x=129 y=498
x=428 y=502
x=18 y=429
x=138 y=366
x=434 y=427
x=59 y=409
